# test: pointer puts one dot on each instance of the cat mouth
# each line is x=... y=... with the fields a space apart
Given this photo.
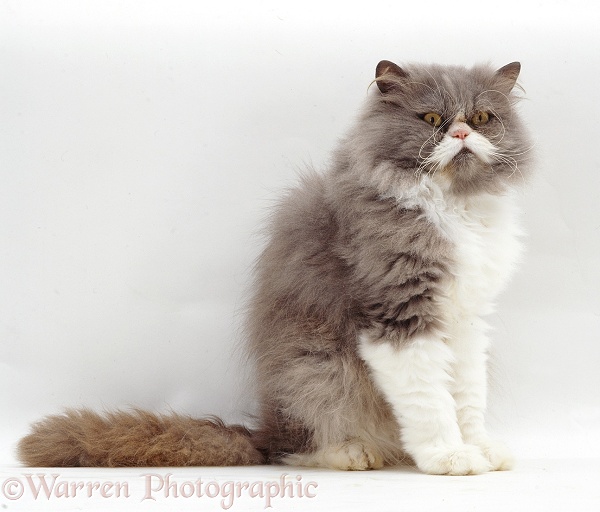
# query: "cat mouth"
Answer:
x=465 y=152
x=462 y=156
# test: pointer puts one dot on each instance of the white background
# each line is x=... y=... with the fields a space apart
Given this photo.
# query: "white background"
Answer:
x=142 y=143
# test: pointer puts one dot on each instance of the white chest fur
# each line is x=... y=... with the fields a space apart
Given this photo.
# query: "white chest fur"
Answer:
x=484 y=232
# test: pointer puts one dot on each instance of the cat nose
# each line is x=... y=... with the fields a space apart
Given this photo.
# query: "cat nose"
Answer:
x=460 y=131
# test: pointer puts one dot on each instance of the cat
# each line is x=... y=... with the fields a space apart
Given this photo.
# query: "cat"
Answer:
x=365 y=323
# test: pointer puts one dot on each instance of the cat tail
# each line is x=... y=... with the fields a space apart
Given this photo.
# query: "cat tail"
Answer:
x=82 y=437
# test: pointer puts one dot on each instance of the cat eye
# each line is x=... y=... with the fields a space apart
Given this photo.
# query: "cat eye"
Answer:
x=433 y=119
x=480 y=118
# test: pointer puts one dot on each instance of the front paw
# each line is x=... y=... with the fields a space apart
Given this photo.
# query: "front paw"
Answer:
x=498 y=454
x=463 y=459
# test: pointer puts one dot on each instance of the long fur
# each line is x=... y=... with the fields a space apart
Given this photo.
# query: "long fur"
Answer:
x=365 y=321
x=138 y=438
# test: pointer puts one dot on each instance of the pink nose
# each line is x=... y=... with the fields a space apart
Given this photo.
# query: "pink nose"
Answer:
x=460 y=134
x=460 y=131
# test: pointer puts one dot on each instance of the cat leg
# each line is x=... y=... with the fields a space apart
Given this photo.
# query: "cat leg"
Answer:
x=415 y=378
x=331 y=398
x=469 y=389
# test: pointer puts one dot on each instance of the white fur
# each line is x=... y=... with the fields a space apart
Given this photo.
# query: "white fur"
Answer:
x=416 y=381
x=436 y=384
x=450 y=146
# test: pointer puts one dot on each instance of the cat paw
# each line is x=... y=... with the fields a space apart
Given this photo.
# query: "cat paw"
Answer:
x=352 y=456
x=459 y=460
x=498 y=454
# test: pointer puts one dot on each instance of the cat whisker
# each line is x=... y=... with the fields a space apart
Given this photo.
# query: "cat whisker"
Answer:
x=510 y=162
x=424 y=159
x=524 y=151
x=500 y=137
x=423 y=84
x=442 y=91
x=504 y=95
x=429 y=160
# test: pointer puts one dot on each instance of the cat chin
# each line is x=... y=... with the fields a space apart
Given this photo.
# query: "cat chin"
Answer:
x=468 y=164
x=465 y=175
x=464 y=157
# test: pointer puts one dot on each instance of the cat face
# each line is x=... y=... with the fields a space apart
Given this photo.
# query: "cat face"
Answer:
x=455 y=124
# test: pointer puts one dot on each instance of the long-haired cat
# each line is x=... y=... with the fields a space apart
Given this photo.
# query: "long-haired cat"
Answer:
x=365 y=323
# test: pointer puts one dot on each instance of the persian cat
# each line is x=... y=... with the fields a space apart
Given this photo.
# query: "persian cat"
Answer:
x=365 y=323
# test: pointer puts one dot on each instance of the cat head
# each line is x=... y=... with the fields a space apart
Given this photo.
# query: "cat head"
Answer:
x=451 y=123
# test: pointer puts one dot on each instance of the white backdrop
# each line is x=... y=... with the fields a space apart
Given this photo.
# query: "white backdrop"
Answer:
x=141 y=144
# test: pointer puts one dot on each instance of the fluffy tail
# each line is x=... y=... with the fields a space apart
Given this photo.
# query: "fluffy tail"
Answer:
x=137 y=438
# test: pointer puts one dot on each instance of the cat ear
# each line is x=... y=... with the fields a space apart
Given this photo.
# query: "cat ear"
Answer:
x=389 y=76
x=507 y=76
